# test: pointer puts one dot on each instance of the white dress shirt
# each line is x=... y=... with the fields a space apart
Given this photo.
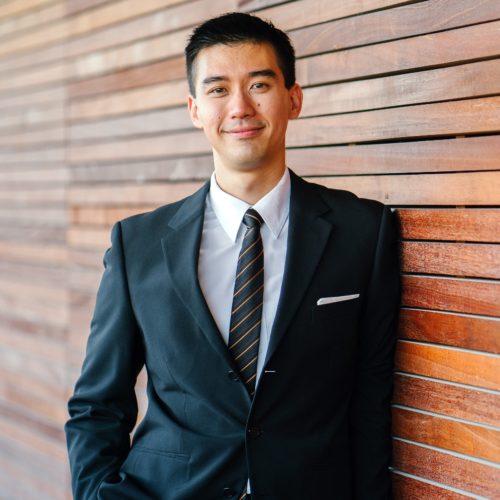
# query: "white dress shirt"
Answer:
x=221 y=240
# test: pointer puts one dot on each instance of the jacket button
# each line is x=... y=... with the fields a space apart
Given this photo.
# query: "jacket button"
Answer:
x=233 y=375
x=254 y=432
x=229 y=493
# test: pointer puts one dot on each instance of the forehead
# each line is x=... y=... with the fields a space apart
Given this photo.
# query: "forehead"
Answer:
x=235 y=60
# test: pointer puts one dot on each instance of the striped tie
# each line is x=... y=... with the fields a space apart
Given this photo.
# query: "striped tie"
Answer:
x=246 y=313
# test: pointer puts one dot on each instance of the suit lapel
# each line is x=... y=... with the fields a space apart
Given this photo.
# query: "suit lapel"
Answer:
x=308 y=234
x=181 y=250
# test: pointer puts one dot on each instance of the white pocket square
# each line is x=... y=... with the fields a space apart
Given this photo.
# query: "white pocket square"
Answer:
x=339 y=298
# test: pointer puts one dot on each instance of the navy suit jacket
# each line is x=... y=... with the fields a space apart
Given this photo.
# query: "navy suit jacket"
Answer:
x=319 y=424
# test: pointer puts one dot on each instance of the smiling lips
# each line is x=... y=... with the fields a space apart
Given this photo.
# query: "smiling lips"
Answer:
x=245 y=132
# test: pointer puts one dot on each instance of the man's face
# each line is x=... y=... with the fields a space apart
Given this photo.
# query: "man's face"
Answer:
x=243 y=106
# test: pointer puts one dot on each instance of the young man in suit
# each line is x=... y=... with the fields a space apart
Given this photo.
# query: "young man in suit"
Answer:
x=262 y=306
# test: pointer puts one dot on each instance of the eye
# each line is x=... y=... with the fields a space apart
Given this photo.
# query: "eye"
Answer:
x=217 y=91
x=260 y=86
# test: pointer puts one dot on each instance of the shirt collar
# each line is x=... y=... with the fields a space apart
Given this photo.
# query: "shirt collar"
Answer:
x=273 y=207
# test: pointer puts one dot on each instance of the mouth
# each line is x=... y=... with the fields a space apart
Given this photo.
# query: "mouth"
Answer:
x=244 y=132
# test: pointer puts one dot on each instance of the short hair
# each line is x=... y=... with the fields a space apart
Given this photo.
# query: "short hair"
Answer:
x=234 y=28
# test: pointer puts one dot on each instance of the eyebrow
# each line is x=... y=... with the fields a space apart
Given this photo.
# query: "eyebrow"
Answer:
x=220 y=78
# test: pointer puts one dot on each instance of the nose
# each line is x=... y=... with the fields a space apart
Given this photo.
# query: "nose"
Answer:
x=241 y=105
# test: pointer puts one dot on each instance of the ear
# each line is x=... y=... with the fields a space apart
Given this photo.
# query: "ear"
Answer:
x=296 y=98
x=194 y=112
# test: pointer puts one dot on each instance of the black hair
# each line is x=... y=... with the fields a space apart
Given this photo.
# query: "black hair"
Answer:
x=237 y=27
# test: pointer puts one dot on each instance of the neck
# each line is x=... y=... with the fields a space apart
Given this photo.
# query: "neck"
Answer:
x=249 y=186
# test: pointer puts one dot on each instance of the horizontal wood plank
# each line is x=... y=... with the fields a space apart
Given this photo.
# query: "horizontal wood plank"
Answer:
x=462 y=437
x=293 y=15
x=456 y=259
x=422 y=51
x=141 y=99
x=445 y=118
x=456 y=82
x=169 y=120
x=405 y=487
x=458 y=330
x=478 y=188
x=149 y=74
x=467 y=153
x=399 y=22
x=446 y=294
x=13 y=26
x=450 y=224
x=468 y=475
x=468 y=403
x=471 y=368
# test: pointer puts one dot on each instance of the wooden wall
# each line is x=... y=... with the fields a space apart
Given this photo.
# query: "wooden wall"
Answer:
x=401 y=105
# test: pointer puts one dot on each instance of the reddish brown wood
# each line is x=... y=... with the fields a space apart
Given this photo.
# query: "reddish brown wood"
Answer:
x=76 y=6
x=471 y=153
x=407 y=488
x=456 y=259
x=389 y=24
x=445 y=118
x=456 y=82
x=462 y=437
x=149 y=74
x=474 y=188
x=457 y=330
x=444 y=294
x=411 y=53
x=294 y=15
x=465 y=474
x=448 y=399
x=450 y=224
x=471 y=368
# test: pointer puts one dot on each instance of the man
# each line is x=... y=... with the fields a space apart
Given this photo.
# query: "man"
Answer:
x=262 y=306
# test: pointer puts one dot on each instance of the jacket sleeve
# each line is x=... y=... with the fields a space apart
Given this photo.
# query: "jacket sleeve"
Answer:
x=370 y=408
x=103 y=408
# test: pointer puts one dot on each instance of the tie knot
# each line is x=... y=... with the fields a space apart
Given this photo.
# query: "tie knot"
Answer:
x=252 y=218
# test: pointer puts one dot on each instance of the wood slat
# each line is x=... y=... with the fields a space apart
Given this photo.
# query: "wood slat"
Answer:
x=13 y=26
x=141 y=99
x=456 y=82
x=149 y=74
x=294 y=15
x=42 y=138
x=35 y=77
x=9 y=9
x=169 y=120
x=32 y=116
x=44 y=96
x=178 y=169
x=462 y=437
x=450 y=224
x=399 y=22
x=400 y=55
x=445 y=118
x=131 y=195
x=478 y=188
x=405 y=488
x=481 y=334
x=36 y=254
x=83 y=23
x=179 y=144
x=27 y=197
x=471 y=368
x=469 y=153
x=446 y=294
x=456 y=259
x=467 y=475
x=89 y=216
x=468 y=403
